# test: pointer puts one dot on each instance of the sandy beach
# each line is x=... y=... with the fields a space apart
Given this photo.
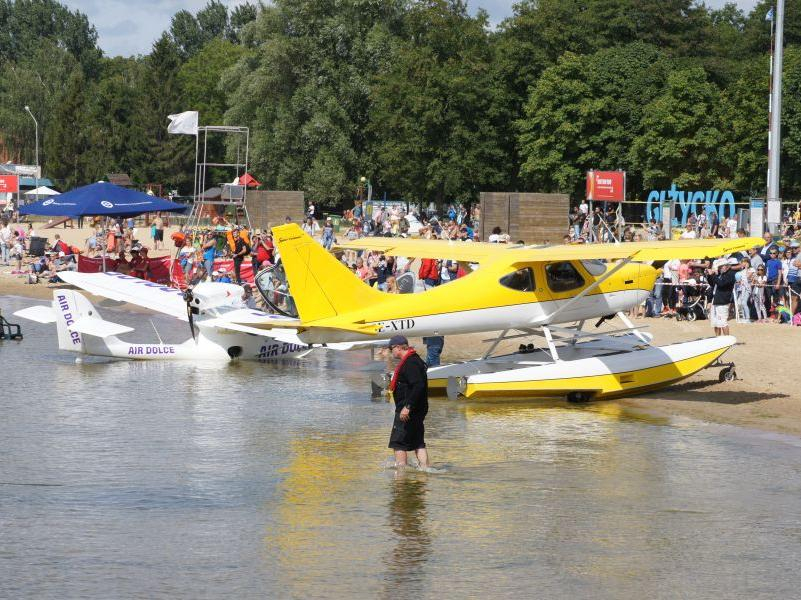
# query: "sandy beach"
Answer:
x=766 y=396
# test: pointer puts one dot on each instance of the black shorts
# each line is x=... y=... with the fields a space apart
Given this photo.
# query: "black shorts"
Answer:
x=407 y=436
x=159 y=235
x=796 y=287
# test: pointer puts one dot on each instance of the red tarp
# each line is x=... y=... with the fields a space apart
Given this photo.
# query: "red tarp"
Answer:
x=248 y=180
x=160 y=268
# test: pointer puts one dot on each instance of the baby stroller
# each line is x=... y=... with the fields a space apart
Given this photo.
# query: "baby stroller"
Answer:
x=694 y=300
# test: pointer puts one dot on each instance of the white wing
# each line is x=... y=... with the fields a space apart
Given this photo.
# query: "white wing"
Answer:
x=124 y=288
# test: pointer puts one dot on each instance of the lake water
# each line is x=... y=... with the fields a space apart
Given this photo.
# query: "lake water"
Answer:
x=169 y=480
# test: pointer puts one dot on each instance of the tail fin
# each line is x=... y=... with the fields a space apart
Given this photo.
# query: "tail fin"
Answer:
x=321 y=286
x=68 y=310
x=80 y=327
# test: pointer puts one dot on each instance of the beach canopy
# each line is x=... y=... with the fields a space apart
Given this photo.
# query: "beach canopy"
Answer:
x=42 y=190
x=100 y=199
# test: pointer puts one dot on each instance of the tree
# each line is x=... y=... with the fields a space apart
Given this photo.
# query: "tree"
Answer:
x=191 y=32
x=186 y=33
x=304 y=91
x=25 y=24
x=241 y=16
x=743 y=153
x=158 y=157
x=200 y=79
x=680 y=134
x=67 y=141
x=432 y=112
x=584 y=113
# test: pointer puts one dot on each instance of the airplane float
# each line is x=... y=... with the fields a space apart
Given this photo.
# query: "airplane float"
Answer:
x=549 y=293
x=209 y=309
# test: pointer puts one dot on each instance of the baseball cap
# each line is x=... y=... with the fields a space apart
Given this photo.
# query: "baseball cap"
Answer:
x=60 y=254
x=398 y=340
x=733 y=261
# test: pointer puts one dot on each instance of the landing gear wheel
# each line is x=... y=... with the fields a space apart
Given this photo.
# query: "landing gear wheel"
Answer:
x=727 y=374
x=578 y=397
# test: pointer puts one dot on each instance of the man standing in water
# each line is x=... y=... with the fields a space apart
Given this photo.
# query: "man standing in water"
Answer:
x=409 y=387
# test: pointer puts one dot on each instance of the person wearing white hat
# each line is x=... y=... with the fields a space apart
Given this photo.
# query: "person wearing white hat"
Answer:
x=722 y=278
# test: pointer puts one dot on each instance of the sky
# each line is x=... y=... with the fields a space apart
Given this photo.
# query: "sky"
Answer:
x=128 y=27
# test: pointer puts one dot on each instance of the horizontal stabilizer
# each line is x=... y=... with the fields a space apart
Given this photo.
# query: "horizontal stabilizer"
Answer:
x=40 y=314
x=99 y=327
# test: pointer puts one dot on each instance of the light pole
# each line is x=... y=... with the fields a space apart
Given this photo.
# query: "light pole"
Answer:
x=36 y=125
x=774 y=137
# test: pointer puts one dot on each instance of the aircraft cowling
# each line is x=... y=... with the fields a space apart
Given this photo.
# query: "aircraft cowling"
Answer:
x=210 y=295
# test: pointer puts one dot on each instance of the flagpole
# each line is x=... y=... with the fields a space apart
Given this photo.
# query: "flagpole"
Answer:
x=774 y=137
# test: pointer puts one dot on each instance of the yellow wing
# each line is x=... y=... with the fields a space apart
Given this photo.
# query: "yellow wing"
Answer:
x=642 y=251
x=484 y=252
x=418 y=248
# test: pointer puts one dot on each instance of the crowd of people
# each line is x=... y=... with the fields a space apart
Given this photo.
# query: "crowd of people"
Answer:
x=56 y=257
x=765 y=288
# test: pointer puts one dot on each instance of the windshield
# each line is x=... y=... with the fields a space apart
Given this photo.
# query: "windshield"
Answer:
x=274 y=288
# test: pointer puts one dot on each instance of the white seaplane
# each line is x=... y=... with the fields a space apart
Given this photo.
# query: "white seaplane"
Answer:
x=215 y=312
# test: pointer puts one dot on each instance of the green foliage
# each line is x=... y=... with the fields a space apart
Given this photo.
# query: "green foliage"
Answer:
x=426 y=100
x=200 y=77
x=304 y=92
x=431 y=121
x=68 y=140
x=585 y=112
x=680 y=134
x=26 y=24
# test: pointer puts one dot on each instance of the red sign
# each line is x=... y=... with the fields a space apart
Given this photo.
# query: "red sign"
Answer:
x=9 y=184
x=606 y=186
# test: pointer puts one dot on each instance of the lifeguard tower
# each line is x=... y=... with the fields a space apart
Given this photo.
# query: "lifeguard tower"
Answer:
x=213 y=201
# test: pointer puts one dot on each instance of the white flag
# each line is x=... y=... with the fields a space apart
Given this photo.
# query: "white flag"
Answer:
x=185 y=122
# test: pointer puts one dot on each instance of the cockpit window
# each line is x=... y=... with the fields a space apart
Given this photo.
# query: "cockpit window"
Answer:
x=563 y=277
x=594 y=267
x=521 y=280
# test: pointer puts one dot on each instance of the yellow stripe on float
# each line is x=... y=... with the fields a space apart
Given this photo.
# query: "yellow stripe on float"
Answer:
x=601 y=385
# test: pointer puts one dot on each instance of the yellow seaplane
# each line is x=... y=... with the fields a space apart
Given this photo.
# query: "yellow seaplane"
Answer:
x=549 y=293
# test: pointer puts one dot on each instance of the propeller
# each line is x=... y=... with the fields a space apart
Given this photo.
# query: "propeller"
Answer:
x=190 y=311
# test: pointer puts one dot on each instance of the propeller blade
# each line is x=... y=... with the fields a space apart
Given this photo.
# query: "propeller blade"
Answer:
x=190 y=314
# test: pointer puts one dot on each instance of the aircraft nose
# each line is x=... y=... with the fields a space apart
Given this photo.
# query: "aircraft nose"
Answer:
x=646 y=276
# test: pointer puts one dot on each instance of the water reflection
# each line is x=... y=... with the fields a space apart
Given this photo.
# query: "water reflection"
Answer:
x=273 y=477
x=408 y=519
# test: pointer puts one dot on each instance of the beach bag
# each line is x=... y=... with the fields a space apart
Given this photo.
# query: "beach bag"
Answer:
x=797 y=319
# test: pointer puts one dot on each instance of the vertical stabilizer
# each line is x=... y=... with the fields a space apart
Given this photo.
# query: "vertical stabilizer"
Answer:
x=321 y=286
x=67 y=311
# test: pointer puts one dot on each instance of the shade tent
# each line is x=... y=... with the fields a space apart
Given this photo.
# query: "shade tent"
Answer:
x=100 y=199
x=42 y=191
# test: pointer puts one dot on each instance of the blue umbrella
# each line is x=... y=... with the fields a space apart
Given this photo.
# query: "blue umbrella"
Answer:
x=100 y=199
